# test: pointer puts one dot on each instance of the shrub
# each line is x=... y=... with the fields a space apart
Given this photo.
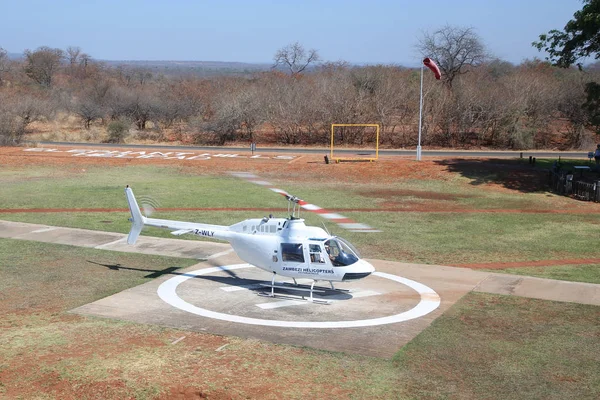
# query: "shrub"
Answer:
x=117 y=132
x=11 y=130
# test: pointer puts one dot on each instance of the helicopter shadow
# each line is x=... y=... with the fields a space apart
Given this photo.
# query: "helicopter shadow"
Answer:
x=154 y=273
x=282 y=289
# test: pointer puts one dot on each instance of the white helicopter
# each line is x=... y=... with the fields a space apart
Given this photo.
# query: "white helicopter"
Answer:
x=282 y=246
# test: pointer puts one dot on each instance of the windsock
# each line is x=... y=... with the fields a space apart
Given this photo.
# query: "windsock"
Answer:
x=429 y=63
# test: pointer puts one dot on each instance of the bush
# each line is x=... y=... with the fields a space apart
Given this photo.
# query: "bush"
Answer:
x=11 y=130
x=117 y=132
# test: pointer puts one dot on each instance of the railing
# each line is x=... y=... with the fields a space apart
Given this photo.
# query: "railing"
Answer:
x=567 y=185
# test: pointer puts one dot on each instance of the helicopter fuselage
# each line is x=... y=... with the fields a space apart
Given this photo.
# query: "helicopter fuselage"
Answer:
x=290 y=248
x=283 y=246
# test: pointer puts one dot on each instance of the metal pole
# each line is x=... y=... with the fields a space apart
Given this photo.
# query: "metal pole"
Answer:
x=420 y=116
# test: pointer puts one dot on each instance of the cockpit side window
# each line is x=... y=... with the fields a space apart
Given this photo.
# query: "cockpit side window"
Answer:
x=340 y=253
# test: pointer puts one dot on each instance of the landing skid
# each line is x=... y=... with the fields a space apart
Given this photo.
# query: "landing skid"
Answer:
x=300 y=288
x=274 y=295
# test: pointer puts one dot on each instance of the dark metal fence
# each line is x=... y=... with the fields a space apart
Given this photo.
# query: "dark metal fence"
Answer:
x=568 y=185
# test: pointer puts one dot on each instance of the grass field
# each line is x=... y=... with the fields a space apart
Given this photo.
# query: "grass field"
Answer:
x=486 y=346
x=456 y=216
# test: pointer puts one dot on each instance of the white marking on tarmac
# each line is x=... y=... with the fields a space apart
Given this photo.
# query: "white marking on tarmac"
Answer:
x=44 y=230
x=101 y=246
x=223 y=253
x=430 y=301
x=281 y=303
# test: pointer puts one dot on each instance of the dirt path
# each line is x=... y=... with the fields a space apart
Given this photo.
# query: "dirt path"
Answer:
x=427 y=209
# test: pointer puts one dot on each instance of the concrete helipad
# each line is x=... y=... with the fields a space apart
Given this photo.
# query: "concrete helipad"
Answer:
x=226 y=301
x=377 y=316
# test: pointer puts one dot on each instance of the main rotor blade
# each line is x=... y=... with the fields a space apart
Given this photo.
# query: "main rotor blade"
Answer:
x=339 y=219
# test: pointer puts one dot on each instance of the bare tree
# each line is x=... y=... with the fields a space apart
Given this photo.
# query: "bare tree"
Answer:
x=454 y=49
x=41 y=65
x=4 y=63
x=12 y=127
x=295 y=58
x=177 y=102
x=88 y=108
x=73 y=53
x=78 y=61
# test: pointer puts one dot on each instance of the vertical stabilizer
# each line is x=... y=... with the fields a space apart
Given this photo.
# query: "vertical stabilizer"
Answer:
x=137 y=219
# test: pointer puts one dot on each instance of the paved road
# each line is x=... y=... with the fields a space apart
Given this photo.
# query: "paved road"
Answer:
x=345 y=152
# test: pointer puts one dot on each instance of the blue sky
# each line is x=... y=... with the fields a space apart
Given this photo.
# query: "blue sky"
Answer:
x=366 y=31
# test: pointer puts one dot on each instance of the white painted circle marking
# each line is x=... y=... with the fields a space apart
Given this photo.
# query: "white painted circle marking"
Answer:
x=430 y=300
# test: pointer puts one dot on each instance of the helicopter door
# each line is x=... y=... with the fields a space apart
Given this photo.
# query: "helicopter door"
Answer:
x=292 y=256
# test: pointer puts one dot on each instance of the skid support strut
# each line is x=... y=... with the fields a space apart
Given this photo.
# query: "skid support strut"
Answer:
x=273 y=285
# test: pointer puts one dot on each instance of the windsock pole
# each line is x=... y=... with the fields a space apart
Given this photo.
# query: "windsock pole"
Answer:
x=429 y=63
x=420 y=116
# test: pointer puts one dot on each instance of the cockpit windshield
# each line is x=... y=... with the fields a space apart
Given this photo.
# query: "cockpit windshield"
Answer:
x=341 y=253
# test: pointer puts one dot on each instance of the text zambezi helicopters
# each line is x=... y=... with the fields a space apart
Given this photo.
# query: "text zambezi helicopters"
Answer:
x=282 y=246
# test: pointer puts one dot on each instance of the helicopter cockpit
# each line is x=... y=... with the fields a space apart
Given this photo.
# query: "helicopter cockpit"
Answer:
x=341 y=252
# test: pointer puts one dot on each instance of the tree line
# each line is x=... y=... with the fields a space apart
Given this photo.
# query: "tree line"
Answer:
x=481 y=101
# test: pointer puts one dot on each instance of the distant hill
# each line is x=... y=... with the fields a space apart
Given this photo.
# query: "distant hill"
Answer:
x=195 y=68
x=201 y=68
x=14 y=56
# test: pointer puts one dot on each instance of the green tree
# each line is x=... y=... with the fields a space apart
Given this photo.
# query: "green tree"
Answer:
x=579 y=39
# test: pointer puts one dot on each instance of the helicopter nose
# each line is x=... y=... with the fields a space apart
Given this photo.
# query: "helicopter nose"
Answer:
x=361 y=269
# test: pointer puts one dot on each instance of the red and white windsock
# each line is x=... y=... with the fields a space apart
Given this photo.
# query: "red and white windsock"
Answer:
x=429 y=63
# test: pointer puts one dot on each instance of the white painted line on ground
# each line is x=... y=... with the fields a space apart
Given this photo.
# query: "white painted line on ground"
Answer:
x=178 y=340
x=101 y=246
x=281 y=303
x=44 y=230
x=429 y=302
x=222 y=347
x=223 y=253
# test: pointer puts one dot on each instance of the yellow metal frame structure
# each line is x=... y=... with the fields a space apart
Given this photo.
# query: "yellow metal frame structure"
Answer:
x=370 y=159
